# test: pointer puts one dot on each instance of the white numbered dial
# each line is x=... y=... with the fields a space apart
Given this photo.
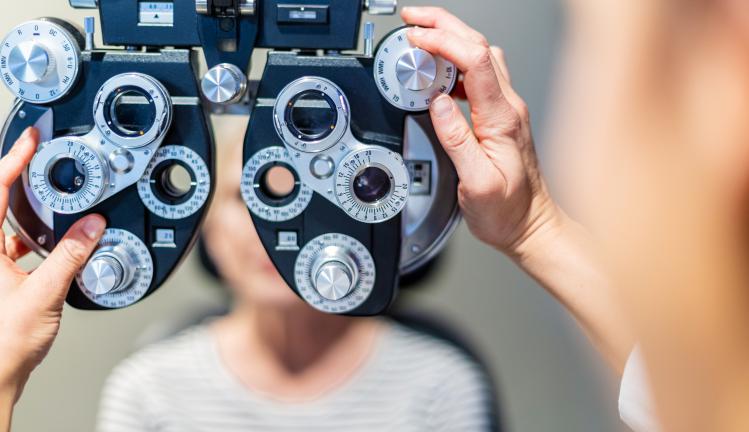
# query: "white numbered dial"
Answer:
x=170 y=201
x=372 y=185
x=409 y=77
x=39 y=61
x=272 y=208
x=67 y=176
x=120 y=271
x=334 y=273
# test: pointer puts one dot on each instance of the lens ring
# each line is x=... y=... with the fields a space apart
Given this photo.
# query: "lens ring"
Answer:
x=372 y=184
x=66 y=175
x=306 y=123
x=163 y=187
x=140 y=121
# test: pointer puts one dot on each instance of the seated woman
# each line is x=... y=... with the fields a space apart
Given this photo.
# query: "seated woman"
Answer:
x=274 y=363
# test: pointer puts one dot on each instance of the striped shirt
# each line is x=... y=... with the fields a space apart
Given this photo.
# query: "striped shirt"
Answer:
x=411 y=383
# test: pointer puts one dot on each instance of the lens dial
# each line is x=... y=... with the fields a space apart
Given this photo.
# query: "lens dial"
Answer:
x=120 y=271
x=133 y=110
x=271 y=187
x=40 y=61
x=311 y=114
x=372 y=185
x=334 y=273
x=409 y=77
x=176 y=183
x=67 y=176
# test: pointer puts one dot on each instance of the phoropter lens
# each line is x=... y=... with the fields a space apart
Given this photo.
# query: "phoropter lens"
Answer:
x=372 y=185
x=67 y=175
x=311 y=116
x=131 y=112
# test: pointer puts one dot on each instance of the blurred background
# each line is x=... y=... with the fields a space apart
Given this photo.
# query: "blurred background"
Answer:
x=549 y=377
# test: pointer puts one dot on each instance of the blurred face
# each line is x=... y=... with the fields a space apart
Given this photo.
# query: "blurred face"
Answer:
x=232 y=241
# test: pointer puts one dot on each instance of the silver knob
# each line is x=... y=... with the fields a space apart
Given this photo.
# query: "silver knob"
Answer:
x=224 y=84
x=84 y=4
x=30 y=62
x=334 y=274
x=416 y=69
x=381 y=7
x=109 y=270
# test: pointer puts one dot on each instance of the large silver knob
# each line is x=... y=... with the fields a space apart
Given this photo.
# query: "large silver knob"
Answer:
x=381 y=7
x=224 y=84
x=416 y=69
x=109 y=270
x=334 y=274
x=30 y=62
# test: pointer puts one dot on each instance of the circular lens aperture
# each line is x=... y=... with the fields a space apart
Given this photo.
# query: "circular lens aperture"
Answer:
x=131 y=112
x=372 y=185
x=67 y=175
x=311 y=115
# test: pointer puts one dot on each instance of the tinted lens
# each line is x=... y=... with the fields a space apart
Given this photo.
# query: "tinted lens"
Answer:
x=311 y=116
x=372 y=185
x=67 y=175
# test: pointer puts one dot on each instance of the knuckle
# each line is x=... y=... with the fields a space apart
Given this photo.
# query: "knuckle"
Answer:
x=483 y=59
x=457 y=137
x=524 y=113
x=73 y=251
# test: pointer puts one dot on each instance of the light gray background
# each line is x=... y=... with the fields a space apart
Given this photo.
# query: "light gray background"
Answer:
x=550 y=378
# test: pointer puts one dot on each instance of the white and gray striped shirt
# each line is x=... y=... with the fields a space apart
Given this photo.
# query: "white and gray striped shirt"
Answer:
x=412 y=382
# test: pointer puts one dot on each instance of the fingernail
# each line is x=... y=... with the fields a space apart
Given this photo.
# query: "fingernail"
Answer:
x=93 y=227
x=442 y=106
x=417 y=32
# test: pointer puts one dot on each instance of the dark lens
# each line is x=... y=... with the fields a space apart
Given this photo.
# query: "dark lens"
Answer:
x=132 y=113
x=67 y=175
x=372 y=185
x=311 y=116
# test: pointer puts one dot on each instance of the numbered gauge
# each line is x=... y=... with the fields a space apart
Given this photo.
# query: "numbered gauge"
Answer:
x=311 y=114
x=271 y=187
x=40 y=61
x=67 y=176
x=372 y=185
x=176 y=183
x=409 y=77
x=119 y=272
x=334 y=273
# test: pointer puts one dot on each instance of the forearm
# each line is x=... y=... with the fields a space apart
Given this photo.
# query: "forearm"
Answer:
x=561 y=256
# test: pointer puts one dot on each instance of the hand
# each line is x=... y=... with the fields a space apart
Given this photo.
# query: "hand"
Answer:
x=503 y=197
x=31 y=303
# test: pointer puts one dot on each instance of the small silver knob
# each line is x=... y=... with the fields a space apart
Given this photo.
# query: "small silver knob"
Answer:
x=84 y=4
x=381 y=7
x=334 y=274
x=224 y=84
x=416 y=69
x=109 y=270
x=30 y=62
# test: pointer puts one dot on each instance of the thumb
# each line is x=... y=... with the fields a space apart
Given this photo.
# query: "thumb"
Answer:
x=54 y=276
x=458 y=140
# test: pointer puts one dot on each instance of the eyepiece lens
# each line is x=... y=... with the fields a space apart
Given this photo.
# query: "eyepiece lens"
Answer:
x=131 y=112
x=372 y=185
x=67 y=175
x=311 y=116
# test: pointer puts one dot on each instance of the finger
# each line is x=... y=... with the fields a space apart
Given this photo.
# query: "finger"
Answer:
x=436 y=17
x=488 y=103
x=55 y=274
x=501 y=62
x=16 y=248
x=459 y=142
x=18 y=157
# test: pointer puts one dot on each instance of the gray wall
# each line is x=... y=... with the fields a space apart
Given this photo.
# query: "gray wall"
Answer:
x=551 y=380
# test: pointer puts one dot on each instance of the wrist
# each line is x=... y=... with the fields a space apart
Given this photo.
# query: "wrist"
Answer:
x=546 y=229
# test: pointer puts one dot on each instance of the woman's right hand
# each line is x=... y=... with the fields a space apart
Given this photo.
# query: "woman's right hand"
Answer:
x=31 y=303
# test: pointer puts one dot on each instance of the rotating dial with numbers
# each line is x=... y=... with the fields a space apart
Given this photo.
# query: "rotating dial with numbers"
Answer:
x=334 y=273
x=372 y=185
x=256 y=194
x=40 y=61
x=67 y=176
x=409 y=77
x=119 y=272
x=158 y=189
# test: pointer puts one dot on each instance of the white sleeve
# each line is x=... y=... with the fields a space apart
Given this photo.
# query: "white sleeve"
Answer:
x=636 y=407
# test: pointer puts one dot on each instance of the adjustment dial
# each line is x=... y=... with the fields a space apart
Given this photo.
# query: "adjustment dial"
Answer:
x=120 y=271
x=409 y=77
x=372 y=185
x=40 y=61
x=67 y=176
x=334 y=273
x=224 y=84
